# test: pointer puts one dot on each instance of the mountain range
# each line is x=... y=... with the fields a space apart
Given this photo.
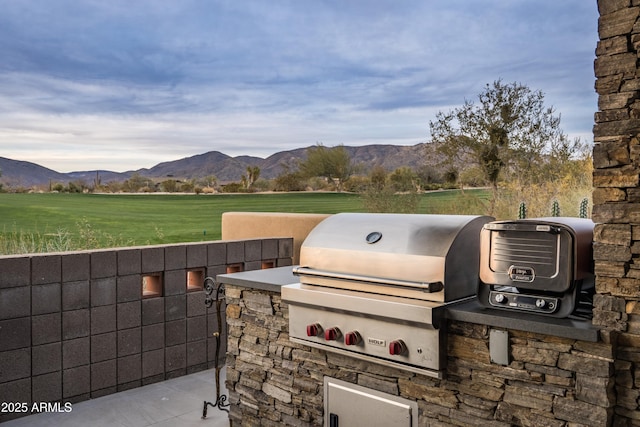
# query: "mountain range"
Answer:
x=16 y=173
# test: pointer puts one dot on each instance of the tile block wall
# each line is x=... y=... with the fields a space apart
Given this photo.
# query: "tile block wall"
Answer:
x=75 y=326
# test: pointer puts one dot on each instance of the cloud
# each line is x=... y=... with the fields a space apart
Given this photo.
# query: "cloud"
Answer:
x=83 y=79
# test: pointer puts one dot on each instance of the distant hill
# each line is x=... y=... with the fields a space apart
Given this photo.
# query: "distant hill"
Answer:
x=18 y=173
x=223 y=167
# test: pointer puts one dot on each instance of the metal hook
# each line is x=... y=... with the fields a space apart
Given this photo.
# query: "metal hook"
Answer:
x=212 y=287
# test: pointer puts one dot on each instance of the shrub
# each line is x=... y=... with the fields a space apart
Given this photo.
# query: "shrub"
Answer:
x=233 y=187
x=87 y=237
x=386 y=200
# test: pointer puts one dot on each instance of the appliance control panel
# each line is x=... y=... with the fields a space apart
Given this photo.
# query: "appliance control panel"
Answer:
x=518 y=301
x=378 y=338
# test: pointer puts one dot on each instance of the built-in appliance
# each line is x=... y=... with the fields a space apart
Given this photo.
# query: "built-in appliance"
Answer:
x=538 y=265
x=375 y=286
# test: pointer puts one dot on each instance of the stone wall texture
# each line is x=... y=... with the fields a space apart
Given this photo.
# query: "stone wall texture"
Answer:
x=550 y=381
x=75 y=326
x=616 y=198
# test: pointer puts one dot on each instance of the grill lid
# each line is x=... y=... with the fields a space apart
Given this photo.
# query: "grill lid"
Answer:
x=389 y=253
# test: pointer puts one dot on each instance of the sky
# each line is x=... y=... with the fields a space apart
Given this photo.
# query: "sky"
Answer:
x=127 y=84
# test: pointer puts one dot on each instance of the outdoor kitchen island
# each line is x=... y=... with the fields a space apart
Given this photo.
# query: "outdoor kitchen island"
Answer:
x=500 y=370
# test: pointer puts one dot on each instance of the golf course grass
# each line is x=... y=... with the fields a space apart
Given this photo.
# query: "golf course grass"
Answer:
x=100 y=220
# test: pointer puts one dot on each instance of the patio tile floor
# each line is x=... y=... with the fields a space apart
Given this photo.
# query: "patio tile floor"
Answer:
x=177 y=402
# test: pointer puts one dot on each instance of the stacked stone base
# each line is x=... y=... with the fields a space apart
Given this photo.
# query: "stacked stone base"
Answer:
x=550 y=382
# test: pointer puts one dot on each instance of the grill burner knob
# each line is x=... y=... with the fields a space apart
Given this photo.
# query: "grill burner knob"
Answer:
x=352 y=338
x=332 y=334
x=397 y=347
x=500 y=298
x=540 y=303
x=314 y=330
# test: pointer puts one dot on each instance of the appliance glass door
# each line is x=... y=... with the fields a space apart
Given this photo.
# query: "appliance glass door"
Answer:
x=529 y=250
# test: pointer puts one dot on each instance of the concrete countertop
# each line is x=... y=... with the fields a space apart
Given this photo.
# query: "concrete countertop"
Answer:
x=270 y=279
x=474 y=312
x=273 y=279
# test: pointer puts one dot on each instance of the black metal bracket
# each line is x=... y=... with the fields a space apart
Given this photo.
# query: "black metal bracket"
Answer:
x=211 y=287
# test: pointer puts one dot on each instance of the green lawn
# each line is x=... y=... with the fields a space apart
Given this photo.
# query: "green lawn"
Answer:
x=117 y=220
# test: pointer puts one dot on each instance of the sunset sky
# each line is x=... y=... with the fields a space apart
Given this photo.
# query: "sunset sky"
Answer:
x=121 y=85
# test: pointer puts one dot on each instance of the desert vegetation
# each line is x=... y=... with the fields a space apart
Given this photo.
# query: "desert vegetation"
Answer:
x=33 y=223
x=504 y=156
x=511 y=142
x=62 y=222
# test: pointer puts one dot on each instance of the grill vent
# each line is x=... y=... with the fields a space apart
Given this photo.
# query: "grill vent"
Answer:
x=525 y=249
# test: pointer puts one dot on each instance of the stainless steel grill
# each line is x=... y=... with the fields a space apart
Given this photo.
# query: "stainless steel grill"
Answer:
x=374 y=286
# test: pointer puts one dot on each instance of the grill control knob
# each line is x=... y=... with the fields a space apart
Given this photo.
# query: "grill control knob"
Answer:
x=332 y=334
x=500 y=298
x=314 y=329
x=540 y=303
x=397 y=347
x=352 y=338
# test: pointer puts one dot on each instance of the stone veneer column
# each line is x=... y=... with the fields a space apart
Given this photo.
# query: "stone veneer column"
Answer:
x=616 y=196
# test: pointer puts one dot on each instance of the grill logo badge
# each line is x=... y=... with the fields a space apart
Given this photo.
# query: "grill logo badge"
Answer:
x=374 y=237
x=376 y=341
x=522 y=274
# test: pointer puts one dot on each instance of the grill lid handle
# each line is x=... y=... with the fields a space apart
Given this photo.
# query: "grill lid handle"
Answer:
x=523 y=226
x=426 y=287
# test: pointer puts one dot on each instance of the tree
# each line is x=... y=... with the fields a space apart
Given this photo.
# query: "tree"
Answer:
x=97 y=181
x=429 y=176
x=289 y=179
x=334 y=164
x=205 y=184
x=169 y=185
x=378 y=177
x=253 y=173
x=137 y=183
x=76 y=186
x=188 y=186
x=510 y=127
x=382 y=194
x=210 y=180
x=404 y=179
